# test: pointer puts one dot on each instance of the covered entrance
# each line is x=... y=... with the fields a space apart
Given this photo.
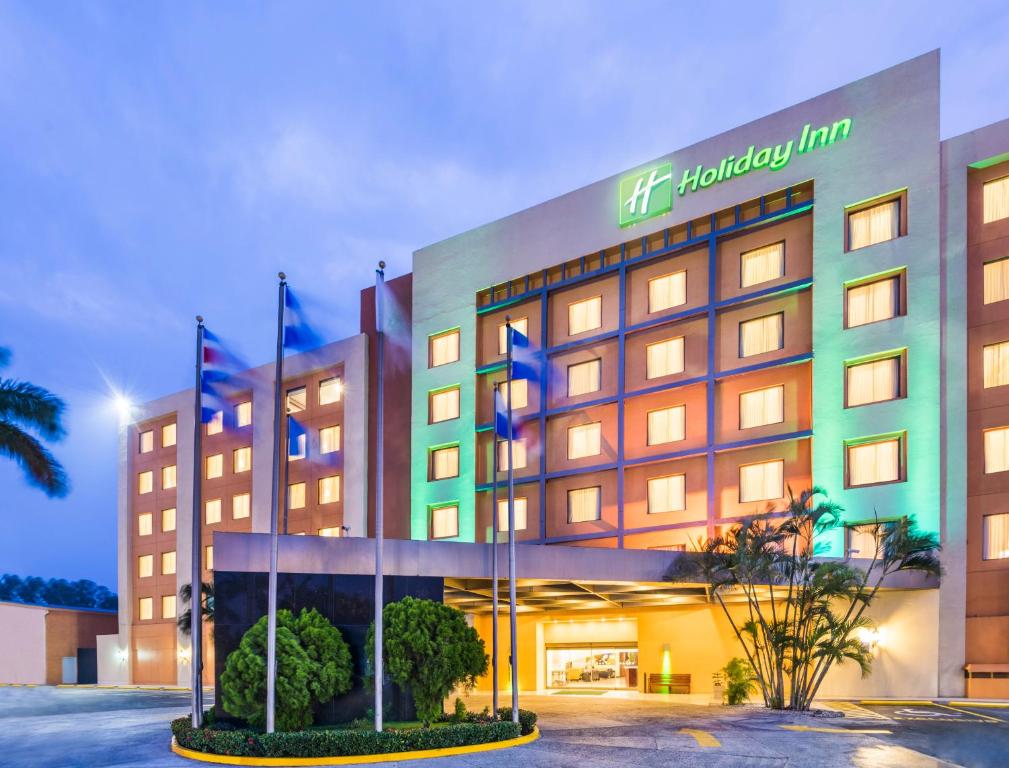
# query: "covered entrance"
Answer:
x=596 y=665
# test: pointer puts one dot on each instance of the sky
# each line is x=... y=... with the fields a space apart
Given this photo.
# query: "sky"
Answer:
x=160 y=160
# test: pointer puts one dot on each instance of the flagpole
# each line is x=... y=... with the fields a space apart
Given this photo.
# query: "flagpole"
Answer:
x=271 y=625
x=379 y=490
x=493 y=564
x=196 y=575
x=287 y=468
x=511 y=534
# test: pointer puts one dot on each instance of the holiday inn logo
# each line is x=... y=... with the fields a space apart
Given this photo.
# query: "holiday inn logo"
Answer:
x=650 y=192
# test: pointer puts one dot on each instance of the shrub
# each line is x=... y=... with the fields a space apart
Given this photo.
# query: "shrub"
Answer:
x=313 y=666
x=429 y=648
x=460 y=713
x=740 y=681
x=527 y=719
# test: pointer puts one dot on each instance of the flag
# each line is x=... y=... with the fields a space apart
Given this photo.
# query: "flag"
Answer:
x=500 y=414
x=221 y=369
x=298 y=334
x=297 y=439
x=525 y=360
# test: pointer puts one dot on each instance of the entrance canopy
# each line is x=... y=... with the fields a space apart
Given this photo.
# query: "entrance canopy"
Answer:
x=475 y=595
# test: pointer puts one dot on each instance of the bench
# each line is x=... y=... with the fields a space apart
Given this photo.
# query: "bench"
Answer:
x=667 y=683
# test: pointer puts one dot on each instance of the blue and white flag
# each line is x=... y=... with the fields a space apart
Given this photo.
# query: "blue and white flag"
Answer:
x=221 y=370
x=526 y=361
x=500 y=415
x=297 y=439
x=298 y=334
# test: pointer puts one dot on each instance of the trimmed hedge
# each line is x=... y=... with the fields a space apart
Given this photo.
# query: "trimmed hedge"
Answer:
x=332 y=742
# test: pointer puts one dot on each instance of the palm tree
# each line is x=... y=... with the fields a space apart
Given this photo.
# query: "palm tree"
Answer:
x=26 y=409
x=185 y=620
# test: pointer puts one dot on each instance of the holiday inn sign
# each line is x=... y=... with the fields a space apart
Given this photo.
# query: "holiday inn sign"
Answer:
x=650 y=192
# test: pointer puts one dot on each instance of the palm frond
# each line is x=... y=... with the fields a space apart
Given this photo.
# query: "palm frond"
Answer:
x=5 y=357
x=31 y=407
x=39 y=465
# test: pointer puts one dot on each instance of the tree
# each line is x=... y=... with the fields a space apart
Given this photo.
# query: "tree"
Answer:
x=27 y=410
x=185 y=620
x=82 y=593
x=313 y=666
x=429 y=647
x=801 y=614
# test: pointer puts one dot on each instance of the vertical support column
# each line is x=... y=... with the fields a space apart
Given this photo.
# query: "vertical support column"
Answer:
x=710 y=374
x=544 y=370
x=621 y=358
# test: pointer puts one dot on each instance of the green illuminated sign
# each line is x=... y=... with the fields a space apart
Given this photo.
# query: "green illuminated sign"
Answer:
x=650 y=192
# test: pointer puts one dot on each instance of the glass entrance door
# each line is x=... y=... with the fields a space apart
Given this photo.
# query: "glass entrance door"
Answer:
x=592 y=666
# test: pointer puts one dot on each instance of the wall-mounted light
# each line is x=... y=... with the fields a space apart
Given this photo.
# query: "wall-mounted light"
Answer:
x=872 y=638
x=122 y=655
x=667 y=660
x=183 y=655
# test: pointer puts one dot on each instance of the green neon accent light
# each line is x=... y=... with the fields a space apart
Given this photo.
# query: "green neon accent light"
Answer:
x=442 y=333
x=874 y=277
x=875 y=356
x=989 y=162
x=491 y=368
x=649 y=193
x=442 y=446
x=900 y=435
x=446 y=388
x=874 y=198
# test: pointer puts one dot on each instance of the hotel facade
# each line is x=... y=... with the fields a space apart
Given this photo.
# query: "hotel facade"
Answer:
x=819 y=297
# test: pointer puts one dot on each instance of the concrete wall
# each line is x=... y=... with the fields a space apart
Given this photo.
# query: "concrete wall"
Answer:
x=22 y=644
x=113 y=660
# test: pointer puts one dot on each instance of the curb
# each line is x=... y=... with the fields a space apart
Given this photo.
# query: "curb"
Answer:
x=388 y=757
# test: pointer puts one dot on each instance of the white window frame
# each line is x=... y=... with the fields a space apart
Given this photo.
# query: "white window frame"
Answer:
x=585 y=440
x=572 y=499
x=437 y=345
x=453 y=531
x=763 y=252
x=577 y=371
x=658 y=418
x=592 y=309
x=436 y=454
x=675 y=478
x=764 y=493
x=667 y=291
x=673 y=348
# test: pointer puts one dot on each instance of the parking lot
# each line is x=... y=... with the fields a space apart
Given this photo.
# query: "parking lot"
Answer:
x=87 y=728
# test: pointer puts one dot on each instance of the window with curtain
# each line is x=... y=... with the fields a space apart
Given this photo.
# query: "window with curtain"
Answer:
x=145 y=524
x=168 y=519
x=664 y=358
x=445 y=462
x=521 y=507
x=518 y=453
x=145 y=566
x=330 y=390
x=145 y=482
x=667 y=494
x=873 y=225
x=996 y=450
x=762 y=264
x=996 y=200
x=519 y=388
x=585 y=315
x=215 y=466
x=444 y=521
x=242 y=459
x=209 y=557
x=762 y=481
x=876 y=462
x=520 y=324
x=212 y=510
x=667 y=425
x=872 y=302
x=444 y=405
x=168 y=606
x=762 y=334
x=241 y=506
x=147 y=441
x=329 y=439
x=334 y=532
x=996 y=364
x=873 y=382
x=145 y=608
x=216 y=424
x=584 y=378
x=760 y=407
x=296 y=496
x=168 y=433
x=862 y=541
x=584 y=440
x=584 y=504
x=297 y=399
x=168 y=477
x=667 y=291
x=329 y=489
x=996 y=281
x=996 y=536
x=443 y=348
x=243 y=414
x=168 y=563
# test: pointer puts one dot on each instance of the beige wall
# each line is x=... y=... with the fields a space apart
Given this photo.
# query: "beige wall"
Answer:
x=22 y=644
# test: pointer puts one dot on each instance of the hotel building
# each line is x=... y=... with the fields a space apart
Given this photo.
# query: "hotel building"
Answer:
x=819 y=297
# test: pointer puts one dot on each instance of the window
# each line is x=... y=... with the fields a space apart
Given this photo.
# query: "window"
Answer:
x=213 y=511
x=145 y=566
x=215 y=466
x=872 y=302
x=584 y=378
x=168 y=435
x=241 y=506
x=667 y=291
x=874 y=462
x=444 y=521
x=445 y=462
x=145 y=482
x=762 y=265
x=145 y=524
x=996 y=536
x=667 y=425
x=242 y=459
x=168 y=477
x=873 y=382
x=667 y=494
x=520 y=324
x=329 y=439
x=583 y=440
x=297 y=399
x=518 y=453
x=521 y=507
x=208 y=558
x=243 y=414
x=664 y=358
x=145 y=608
x=762 y=334
x=996 y=364
x=444 y=405
x=996 y=281
x=216 y=424
x=762 y=406
x=167 y=563
x=762 y=481
x=330 y=390
x=521 y=389
x=296 y=496
x=585 y=315
x=996 y=450
x=331 y=533
x=147 y=441
x=583 y=504
x=872 y=225
x=168 y=520
x=443 y=348
x=996 y=200
x=862 y=540
x=168 y=606
x=329 y=489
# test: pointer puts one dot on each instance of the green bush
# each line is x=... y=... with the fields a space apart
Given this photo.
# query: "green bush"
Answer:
x=740 y=681
x=313 y=666
x=337 y=742
x=430 y=649
x=527 y=719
